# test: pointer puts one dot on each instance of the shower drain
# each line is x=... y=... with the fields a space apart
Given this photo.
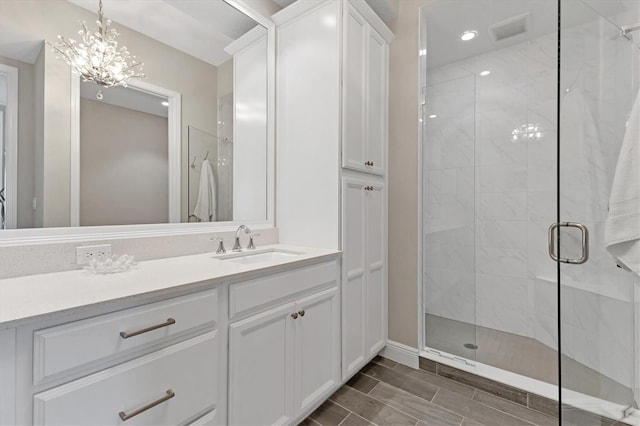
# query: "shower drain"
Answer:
x=470 y=346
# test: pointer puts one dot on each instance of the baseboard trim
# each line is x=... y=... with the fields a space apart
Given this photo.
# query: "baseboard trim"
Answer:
x=402 y=354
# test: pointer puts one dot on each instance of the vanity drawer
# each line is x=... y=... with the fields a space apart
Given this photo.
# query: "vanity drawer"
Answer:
x=181 y=379
x=59 y=349
x=253 y=295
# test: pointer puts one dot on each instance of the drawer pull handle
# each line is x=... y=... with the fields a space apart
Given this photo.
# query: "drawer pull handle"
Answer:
x=301 y=313
x=124 y=416
x=294 y=315
x=127 y=334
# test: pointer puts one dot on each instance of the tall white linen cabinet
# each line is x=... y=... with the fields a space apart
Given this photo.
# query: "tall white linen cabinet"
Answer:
x=331 y=154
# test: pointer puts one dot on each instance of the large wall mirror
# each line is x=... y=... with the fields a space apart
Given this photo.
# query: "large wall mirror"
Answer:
x=190 y=142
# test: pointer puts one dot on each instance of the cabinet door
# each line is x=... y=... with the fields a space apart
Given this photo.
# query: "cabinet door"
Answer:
x=377 y=102
x=353 y=276
x=354 y=90
x=7 y=376
x=376 y=279
x=261 y=360
x=317 y=348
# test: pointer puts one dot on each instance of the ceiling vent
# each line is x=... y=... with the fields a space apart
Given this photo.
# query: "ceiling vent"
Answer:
x=511 y=27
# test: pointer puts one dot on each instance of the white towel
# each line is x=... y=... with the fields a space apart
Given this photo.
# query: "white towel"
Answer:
x=206 y=206
x=622 y=228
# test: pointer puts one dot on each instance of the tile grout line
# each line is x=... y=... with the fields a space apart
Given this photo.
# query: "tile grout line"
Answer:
x=506 y=400
x=384 y=403
x=345 y=408
x=345 y=417
x=475 y=389
x=430 y=402
x=373 y=388
x=434 y=396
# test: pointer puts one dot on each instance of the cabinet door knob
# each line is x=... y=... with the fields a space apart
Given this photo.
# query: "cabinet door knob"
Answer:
x=301 y=313
x=294 y=315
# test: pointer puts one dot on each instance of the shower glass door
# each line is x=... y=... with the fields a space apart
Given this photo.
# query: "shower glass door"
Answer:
x=599 y=75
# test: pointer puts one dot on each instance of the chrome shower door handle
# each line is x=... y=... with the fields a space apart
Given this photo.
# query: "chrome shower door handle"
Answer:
x=585 y=242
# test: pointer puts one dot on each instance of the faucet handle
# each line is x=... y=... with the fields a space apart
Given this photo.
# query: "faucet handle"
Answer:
x=251 y=245
x=221 y=249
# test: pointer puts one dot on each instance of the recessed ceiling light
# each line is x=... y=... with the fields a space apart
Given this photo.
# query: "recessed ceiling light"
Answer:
x=485 y=73
x=468 y=35
x=165 y=103
x=432 y=116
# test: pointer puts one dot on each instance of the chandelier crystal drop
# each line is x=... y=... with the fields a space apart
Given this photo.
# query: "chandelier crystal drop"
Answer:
x=96 y=57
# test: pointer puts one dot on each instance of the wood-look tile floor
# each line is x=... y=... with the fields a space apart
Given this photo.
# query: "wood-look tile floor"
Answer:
x=387 y=393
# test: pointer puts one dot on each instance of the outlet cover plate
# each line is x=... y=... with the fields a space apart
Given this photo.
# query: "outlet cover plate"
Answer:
x=85 y=254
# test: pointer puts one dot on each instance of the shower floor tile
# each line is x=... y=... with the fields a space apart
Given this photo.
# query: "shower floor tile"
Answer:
x=521 y=355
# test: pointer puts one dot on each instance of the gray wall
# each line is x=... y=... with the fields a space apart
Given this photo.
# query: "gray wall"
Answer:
x=123 y=166
x=403 y=175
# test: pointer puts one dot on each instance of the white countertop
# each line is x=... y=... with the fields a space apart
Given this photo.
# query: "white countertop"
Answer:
x=24 y=298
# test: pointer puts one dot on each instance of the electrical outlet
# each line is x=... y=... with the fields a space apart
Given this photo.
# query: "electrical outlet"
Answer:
x=85 y=254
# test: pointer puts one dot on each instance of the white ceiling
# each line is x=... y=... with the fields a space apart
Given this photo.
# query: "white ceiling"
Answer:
x=20 y=46
x=201 y=28
x=447 y=19
x=126 y=97
x=387 y=10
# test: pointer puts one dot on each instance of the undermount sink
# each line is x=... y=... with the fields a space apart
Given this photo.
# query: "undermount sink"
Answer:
x=263 y=256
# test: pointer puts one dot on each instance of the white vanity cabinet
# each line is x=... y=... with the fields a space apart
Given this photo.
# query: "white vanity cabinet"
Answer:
x=331 y=91
x=284 y=352
x=7 y=376
x=364 y=94
x=364 y=290
x=250 y=345
x=161 y=363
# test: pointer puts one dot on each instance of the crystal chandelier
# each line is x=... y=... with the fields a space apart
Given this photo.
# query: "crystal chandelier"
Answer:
x=96 y=57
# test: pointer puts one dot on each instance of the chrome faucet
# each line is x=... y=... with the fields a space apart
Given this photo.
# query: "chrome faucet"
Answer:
x=236 y=245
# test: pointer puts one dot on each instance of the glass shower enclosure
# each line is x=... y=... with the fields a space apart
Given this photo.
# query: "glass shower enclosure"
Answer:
x=522 y=129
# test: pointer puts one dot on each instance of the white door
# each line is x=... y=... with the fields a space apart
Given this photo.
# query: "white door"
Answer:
x=317 y=347
x=353 y=276
x=354 y=90
x=376 y=279
x=261 y=361
x=376 y=103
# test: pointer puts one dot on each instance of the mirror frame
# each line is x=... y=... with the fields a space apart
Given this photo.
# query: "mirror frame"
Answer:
x=29 y=236
x=11 y=145
x=174 y=121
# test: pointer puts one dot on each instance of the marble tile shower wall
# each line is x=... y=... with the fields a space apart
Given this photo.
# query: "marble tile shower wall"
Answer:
x=489 y=199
